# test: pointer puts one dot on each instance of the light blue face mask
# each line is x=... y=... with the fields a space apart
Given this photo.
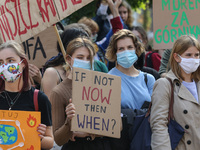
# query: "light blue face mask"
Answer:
x=126 y=58
x=94 y=38
x=83 y=64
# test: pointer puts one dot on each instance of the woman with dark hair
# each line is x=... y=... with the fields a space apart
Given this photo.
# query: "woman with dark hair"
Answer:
x=16 y=92
x=141 y=34
x=55 y=72
x=152 y=66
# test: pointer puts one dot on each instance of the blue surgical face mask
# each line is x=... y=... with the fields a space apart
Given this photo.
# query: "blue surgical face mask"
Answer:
x=83 y=64
x=126 y=58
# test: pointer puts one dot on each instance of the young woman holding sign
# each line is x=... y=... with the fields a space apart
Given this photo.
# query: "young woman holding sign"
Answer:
x=80 y=52
x=16 y=92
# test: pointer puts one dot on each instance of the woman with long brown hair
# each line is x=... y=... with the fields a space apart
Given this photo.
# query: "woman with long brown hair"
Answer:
x=185 y=76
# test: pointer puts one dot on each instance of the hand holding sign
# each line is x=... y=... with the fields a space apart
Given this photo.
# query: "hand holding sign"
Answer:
x=70 y=110
x=42 y=130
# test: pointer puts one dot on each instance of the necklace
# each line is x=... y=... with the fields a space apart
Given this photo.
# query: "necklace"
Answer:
x=10 y=101
x=2 y=96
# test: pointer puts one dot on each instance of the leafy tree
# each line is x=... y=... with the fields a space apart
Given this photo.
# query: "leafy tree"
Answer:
x=90 y=9
x=139 y=3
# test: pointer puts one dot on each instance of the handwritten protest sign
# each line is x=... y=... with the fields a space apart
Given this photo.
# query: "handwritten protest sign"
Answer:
x=18 y=129
x=41 y=47
x=173 y=18
x=97 y=98
x=22 y=19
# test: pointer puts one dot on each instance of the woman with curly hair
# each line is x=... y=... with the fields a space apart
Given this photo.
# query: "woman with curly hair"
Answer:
x=124 y=49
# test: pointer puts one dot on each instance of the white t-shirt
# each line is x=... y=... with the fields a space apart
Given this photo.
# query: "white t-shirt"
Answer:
x=191 y=86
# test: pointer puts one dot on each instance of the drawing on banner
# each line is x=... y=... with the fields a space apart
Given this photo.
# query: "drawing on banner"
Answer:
x=16 y=128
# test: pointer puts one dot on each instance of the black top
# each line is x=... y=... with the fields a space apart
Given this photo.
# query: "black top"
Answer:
x=25 y=102
x=60 y=78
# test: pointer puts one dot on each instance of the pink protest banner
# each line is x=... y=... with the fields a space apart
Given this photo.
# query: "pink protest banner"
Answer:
x=22 y=19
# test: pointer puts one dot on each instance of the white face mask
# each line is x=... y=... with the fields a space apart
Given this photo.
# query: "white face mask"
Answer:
x=102 y=10
x=189 y=65
x=10 y=72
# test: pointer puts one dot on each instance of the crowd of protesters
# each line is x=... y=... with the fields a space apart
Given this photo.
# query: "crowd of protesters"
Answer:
x=107 y=43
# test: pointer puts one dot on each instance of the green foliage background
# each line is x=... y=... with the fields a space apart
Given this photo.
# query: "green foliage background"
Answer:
x=138 y=3
x=90 y=9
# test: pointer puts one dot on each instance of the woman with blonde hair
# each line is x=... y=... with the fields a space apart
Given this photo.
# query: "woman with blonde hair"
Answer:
x=185 y=76
x=16 y=92
x=79 y=53
x=126 y=14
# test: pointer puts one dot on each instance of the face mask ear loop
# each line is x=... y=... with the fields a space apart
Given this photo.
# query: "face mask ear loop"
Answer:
x=68 y=63
x=179 y=57
x=20 y=63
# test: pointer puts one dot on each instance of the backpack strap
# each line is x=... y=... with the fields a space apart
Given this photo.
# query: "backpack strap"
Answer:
x=149 y=60
x=145 y=78
x=35 y=99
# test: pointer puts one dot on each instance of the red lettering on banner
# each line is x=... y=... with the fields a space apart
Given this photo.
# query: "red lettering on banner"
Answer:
x=44 y=12
x=86 y=94
x=74 y=2
x=20 y=32
x=92 y=95
x=29 y=14
x=20 y=12
x=63 y=4
x=95 y=94
x=2 y=11
x=3 y=27
x=14 y=21
x=17 y=27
